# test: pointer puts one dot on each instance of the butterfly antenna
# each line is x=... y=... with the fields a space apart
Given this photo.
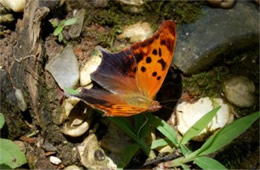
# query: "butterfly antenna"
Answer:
x=171 y=109
x=139 y=130
x=167 y=101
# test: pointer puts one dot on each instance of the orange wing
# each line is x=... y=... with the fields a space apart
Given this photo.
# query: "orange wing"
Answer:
x=136 y=71
x=111 y=104
x=154 y=57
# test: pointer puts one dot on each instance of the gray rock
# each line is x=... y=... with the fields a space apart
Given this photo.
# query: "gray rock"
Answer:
x=216 y=32
x=76 y=29
x=48 y=146
x=240 y=91
x=7 y=92
x=64 y=68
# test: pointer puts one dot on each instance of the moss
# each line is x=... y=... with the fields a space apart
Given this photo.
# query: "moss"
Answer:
x=210 y=83
x=180 y=11
x=206 y=83
x=115 y=16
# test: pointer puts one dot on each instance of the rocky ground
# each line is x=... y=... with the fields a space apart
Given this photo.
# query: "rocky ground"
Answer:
x=216 y=60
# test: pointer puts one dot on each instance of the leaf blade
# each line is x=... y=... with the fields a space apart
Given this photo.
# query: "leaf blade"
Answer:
x=57 y=31
x=201 y=124
x=13 y=156
x=2 y=120
x=159 y=143
x=225 y=135
x=165 y=129
x=128 y=129
x=70 y=21
x=208 y=163
x=127 y=155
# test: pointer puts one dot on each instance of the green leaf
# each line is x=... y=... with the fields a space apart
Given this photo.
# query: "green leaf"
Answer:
x=208 y=163
x=127 y=155
x=159 y=143
x=165 y=129
x=201 y=124
x=2 y=120
x=225 y=135
x=185 y=167
x=4 y=166
x=10 y=154
x=185 y=150
x=57 y=31
x=142 y=124
x=70 y=21
x=60 y=38
x=71 y=91
x=54 y=23
x=62 y=23
x=125 y=126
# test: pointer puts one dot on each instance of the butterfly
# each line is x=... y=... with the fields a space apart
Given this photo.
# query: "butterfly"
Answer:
x=131 y=78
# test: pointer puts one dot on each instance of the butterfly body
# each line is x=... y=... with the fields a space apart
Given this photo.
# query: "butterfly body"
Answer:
x=132 y=77
x=139 y=100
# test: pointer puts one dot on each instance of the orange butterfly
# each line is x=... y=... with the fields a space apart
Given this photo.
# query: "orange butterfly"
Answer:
x=132 y=77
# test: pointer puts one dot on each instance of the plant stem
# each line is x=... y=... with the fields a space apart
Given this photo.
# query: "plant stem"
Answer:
x=182 y=160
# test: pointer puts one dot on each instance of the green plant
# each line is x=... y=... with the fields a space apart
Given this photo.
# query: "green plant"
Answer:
x=59 y=27
x=199 y=157
x=10 y=154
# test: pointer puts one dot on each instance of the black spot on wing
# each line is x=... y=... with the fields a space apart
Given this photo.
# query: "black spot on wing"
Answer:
x=154 y=74
x=159 y=77
x=154 y=52
x=143 y=69
x=160 y=52
x=162 y=42
x=148 y=60
x=163 y=63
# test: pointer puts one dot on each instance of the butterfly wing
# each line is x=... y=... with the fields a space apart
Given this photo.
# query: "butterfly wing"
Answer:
x=116 y=73
x=135 y=71
x=111 y=104
x=154 y=57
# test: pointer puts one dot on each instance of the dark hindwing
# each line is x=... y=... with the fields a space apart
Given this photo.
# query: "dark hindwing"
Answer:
x=116 y=73
x=111 y=104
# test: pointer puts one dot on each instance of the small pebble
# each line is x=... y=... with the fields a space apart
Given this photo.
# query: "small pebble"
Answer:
x=72 y=167
x=89 y=67
x=240 y=91
x=20 y=99
x=137 y=32
x=55 y=160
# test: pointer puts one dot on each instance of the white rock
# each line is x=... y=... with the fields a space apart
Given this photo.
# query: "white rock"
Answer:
x=92 y=155
x=72 y=167
x=89 y=67
x=55 y=160
x=132 y=2
x=239 y=91
x=20 y=99
x=69 y=104
x=189 y=113
x=74 y=131
x=15 y=5
x=64 y=68
x=137 y=32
